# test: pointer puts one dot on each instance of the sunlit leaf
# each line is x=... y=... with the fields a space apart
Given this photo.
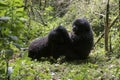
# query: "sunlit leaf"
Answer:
x=3 y=5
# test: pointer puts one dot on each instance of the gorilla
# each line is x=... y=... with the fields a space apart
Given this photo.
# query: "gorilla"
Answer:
x=59 y=41
x=55 y=44
x=82 y=39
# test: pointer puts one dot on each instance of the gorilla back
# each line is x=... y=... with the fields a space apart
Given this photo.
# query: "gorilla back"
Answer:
x=60 y=41
x=39 y=48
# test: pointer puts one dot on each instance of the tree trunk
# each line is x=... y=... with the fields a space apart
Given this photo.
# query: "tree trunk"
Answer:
x=106 y=29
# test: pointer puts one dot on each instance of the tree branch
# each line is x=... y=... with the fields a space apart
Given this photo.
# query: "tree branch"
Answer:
x=113 y=22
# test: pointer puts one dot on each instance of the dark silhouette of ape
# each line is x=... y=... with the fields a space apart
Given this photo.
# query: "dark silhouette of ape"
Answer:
x=82 y=39
x=39 y=48
x=55 y=44
x=60 y=42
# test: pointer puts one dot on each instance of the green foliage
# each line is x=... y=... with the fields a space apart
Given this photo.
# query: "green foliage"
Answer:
x=11 y=25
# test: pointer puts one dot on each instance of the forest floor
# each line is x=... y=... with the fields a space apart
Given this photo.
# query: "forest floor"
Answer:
x=97 y=67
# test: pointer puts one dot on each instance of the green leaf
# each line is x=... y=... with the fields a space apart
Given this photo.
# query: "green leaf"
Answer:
x=15 y=38
x=3 y=5
x=8 y=53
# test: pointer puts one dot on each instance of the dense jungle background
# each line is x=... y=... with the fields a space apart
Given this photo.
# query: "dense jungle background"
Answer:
x=21 y=21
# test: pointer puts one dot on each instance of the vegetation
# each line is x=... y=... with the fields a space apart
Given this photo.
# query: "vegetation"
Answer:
x=21 y=21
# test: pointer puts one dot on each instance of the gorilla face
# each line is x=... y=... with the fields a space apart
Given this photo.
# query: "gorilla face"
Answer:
x=80 y=26
x=59 y=35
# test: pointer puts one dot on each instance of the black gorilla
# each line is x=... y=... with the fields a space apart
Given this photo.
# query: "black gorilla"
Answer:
x=59 y=41
x=55 y=44
x=82 y=39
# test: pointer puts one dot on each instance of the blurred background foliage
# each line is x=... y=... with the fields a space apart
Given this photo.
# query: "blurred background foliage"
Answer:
x=21 y=21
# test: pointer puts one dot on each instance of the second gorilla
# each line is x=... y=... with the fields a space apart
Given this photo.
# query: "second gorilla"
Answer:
x=82 y=39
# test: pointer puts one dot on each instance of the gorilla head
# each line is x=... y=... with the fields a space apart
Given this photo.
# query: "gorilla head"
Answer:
x=58 y=35
x=81 y=26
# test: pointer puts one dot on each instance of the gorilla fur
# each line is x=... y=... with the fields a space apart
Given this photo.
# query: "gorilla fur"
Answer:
x=82 y=39
x=60 y=41
x=39 y=48
x=55 y=44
